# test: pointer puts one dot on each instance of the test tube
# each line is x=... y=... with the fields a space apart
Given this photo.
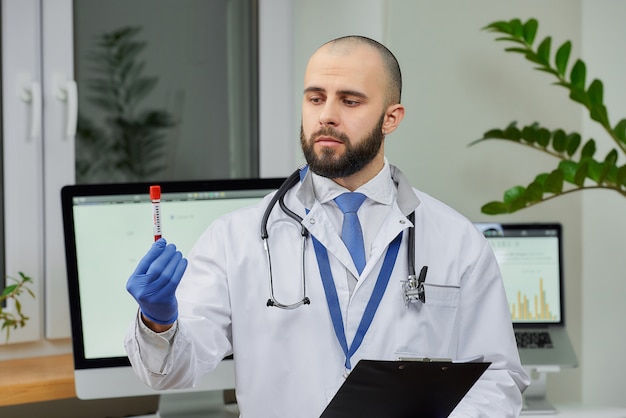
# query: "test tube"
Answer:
x=155 y=197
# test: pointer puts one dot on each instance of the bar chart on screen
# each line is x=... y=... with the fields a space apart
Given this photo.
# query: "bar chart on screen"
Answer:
x=530 y=269
x=533 y=307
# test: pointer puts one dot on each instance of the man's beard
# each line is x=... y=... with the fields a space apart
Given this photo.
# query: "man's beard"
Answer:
x=354 y=158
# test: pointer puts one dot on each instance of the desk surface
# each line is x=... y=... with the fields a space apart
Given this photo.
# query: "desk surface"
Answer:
x=47 y=378
x=580 y=411
x=563 y=411
x=36 y=379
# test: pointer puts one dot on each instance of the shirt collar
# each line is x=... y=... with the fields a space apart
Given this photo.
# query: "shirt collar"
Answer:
x=387 y=185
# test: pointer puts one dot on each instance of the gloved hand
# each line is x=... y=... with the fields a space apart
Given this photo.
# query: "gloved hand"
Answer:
x=154 y=282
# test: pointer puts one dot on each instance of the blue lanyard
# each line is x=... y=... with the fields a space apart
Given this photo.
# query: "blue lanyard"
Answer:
x=372 y=305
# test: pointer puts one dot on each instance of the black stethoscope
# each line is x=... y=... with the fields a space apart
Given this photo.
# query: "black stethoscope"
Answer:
x=413 y=287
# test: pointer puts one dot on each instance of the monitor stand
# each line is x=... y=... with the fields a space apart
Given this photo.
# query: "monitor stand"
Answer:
x=535 y=401
x=209 y=404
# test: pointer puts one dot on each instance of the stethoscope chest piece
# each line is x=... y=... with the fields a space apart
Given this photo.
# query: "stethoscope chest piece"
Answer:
x=413 y=288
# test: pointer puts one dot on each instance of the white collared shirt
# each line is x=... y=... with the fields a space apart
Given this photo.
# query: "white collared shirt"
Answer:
x=380 y=192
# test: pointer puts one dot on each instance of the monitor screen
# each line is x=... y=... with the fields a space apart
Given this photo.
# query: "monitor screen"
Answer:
x=108 y=229
x=529 y=256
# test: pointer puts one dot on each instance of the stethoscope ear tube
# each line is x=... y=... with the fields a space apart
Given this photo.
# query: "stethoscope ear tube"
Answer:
x=291 y=181
x=279 y=196
x=411 y=245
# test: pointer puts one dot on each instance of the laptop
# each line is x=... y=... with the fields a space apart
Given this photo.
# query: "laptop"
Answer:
x=530 y=257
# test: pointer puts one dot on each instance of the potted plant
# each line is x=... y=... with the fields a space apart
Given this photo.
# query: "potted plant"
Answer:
x=130 y=145
x=577 y=168
x=13 y=319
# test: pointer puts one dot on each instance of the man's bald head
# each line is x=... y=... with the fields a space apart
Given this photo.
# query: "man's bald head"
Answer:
x=346 y=45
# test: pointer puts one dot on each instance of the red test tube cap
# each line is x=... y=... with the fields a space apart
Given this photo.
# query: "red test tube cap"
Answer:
x=155 y=192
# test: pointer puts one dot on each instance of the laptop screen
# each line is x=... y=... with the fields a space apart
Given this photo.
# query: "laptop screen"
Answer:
x=109 y=228
x=529 y=256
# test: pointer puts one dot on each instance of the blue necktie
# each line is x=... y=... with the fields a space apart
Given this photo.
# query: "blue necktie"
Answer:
x=351 y=232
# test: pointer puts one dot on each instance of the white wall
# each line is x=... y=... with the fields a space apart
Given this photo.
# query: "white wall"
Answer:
x=316 y=22
x=459 y=83
x=604 y=220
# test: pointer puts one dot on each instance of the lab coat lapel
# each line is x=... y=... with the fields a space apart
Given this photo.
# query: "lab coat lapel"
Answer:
x=320 y=226
x=394 y=223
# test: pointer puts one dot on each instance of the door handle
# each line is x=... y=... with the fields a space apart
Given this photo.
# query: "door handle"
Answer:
x=68 y=92
x=31 y=93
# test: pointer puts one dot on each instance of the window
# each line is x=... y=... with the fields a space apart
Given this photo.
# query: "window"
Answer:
x=49 y=50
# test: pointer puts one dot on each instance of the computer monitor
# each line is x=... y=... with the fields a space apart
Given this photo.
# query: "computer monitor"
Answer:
x=108 y=228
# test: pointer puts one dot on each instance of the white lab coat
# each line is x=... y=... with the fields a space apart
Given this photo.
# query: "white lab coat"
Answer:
x=288 y=362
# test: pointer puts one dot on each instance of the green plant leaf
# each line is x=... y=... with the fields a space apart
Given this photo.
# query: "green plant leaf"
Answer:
x=495 y=208
x=621 y=176
x=568 y=167
x=533 y=193
x=620 y=131
x=499 y=26
x=543 y=137
x=597 y=110
x=581 y=174
x=522 y=51
x=579 y=95
x=541 y=179
x=578 y=75
x=598 y=113
x=512 y=132
x=611 y=157
x=543 y=51
x=573 y=142
x=596 y=92
x=139 y=89
x=517 y=30
x=530 y=30
x=8 y=290
x=518 y=204
x=609 y=168
x=554 y=182
x=547 y=70
x=513 y=193
x=530 y=133
x=597 y=171
x=561 y=57
x=559 y=140
x=512 y=39
x=588 y=149
x=127 y=53
x=532 y=57
x=494 y=133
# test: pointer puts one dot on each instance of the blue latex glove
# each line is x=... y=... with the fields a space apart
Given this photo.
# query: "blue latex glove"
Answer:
x=154 y=282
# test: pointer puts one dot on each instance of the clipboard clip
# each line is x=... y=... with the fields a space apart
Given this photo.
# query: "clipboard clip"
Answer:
x=413 y=288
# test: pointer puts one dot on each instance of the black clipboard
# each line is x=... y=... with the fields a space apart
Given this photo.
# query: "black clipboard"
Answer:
x=404 y=389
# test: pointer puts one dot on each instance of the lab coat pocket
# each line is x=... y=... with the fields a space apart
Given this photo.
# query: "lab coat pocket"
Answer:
x=429 y=329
